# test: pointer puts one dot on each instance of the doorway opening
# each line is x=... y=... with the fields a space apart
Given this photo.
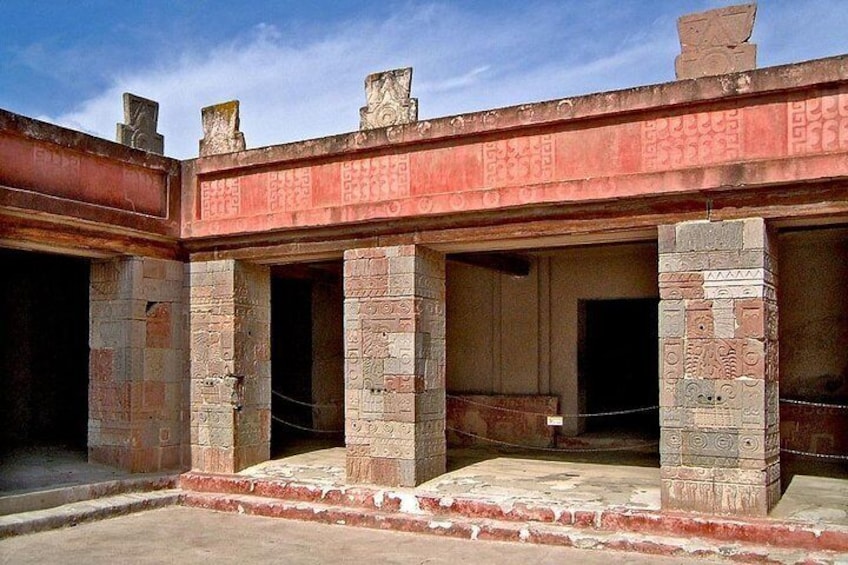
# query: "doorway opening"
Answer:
x=44 y=304
x=813 y=359
x=307 y=358
x=617 y=364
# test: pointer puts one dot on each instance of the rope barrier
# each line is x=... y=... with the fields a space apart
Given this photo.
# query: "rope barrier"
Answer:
x=555 y=449
x=304 y=428
x=814 y=404
x=816 y=455
x=302 y=403
x=526 y=412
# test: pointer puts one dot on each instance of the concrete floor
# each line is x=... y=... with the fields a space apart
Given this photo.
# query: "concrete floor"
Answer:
x=34 y=468
x=191 y=536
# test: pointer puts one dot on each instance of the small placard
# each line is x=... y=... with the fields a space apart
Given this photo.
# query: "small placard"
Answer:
x=554 y=420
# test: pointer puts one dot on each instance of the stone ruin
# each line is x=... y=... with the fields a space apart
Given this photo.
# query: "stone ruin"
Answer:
x=715 y=42
x=221 y=129
x=139 y=128
x=389 y=103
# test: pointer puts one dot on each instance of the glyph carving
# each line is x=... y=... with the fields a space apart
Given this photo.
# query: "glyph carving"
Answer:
x=388 y=98
x=141 y=117
x=221 y=129
x=715 y=42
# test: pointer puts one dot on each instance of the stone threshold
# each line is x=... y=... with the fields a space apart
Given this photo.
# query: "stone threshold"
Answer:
x=411 y=510
x=653 y=532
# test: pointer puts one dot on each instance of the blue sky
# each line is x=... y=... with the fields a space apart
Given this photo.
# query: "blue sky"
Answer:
x=298 y=67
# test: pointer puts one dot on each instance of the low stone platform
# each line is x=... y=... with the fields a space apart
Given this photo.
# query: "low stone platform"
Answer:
x=593 y=500
x=542 y=501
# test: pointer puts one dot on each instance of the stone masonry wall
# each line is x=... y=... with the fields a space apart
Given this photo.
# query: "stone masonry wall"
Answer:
x=137 y=363
x=718 y=367
x=230 y=323
x=394 y=365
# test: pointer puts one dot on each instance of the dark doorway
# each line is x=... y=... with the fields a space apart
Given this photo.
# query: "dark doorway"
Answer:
x=291 y=360
x=43 y=350
x=618 y=363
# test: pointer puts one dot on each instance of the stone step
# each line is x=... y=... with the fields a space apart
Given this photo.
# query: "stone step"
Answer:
x=766 y=532
x=457 y=526
x=49 y=498
x=85 y=511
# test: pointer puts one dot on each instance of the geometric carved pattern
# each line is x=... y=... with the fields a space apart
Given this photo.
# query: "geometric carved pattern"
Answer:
x=290 y=190
x=375 y=179
x=818 y=124
x=64 y=163
x=389 y=103
x=715 y=42
x=692 y=140
x=719 y=414
x=394 y=350
x=220 y=198
x=521 y=160
x=712 y=359
x=139 y=128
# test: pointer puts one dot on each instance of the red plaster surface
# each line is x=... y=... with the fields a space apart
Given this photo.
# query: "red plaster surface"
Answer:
x=814 y=429
x=356 y=505
x=512 y=419
x=61 y=172
x=693 y=148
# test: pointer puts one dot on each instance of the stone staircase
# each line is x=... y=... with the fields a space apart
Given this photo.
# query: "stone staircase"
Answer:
x=684 y=536
x=40 y=510
x=680 y=535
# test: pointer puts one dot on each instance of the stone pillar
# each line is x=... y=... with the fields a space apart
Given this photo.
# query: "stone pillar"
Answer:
x=230 y=324
x=718 y=368
x=394 y=365
x=136 y=363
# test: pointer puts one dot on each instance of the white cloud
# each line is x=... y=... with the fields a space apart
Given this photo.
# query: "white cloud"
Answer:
x=463 y=61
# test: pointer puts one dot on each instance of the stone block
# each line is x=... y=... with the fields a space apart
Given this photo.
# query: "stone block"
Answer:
x=742 y=499
x=724 y=359
x=389 y=102
x=681 y=285
x=709 y=236
x=666 y=238
x=221 y=130
x=689 y=495
x=672 y=319
x=141 y=117
x=676 y=262
x=671 y=358
x=699 y=319
x=715 y=42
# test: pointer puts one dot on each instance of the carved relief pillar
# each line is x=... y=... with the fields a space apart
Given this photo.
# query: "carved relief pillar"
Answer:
x=230 y=353
x=137 y=340
x=718 y=368
x=394 y=365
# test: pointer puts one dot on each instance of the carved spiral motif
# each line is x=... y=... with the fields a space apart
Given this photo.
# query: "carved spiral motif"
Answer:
x=673 y=439
x=724 y=442
x=698 y=440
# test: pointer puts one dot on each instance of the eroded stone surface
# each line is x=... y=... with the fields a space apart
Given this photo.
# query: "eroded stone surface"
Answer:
x=230 y=355
x=718 y=364
x=394 y=365
x=715 y=42
x=389 y=102
x=141 y=117
x=221 y=129
x=137 y=338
